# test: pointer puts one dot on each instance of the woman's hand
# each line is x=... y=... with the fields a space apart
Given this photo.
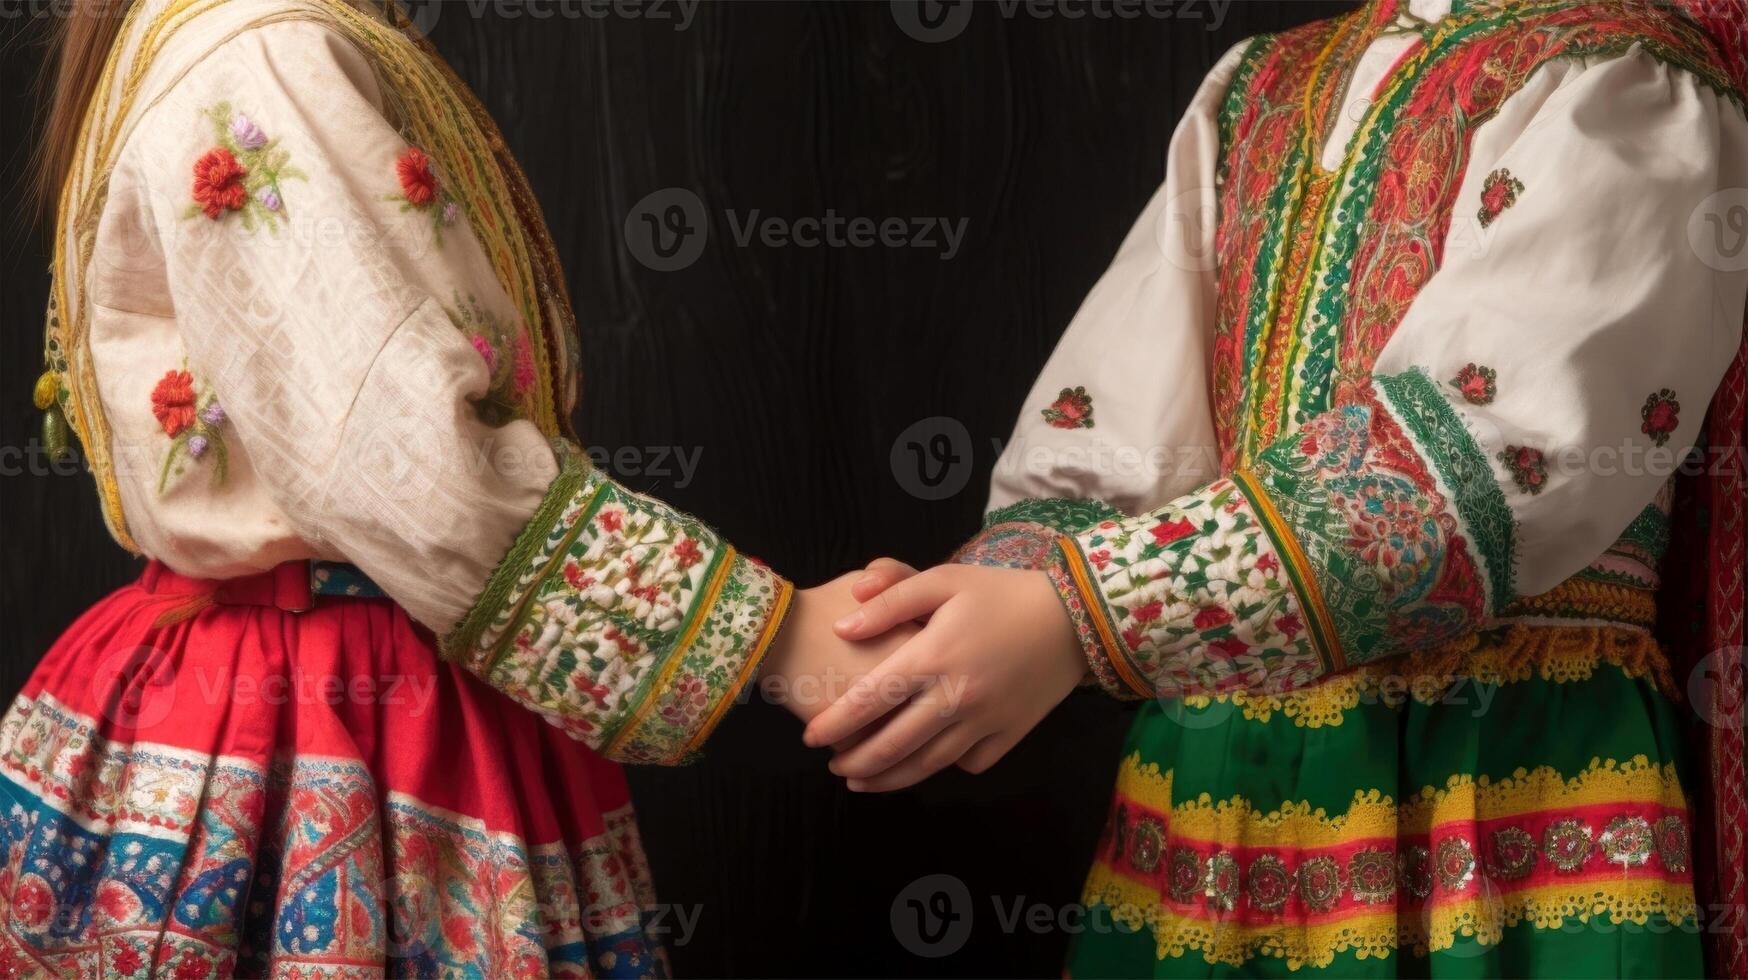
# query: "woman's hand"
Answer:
x=809 y=666
x=997 y=654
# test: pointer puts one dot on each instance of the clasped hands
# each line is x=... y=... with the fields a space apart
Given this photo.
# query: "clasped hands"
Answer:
x=905 y=673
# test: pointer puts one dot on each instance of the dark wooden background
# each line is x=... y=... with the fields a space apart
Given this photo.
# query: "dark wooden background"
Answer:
x=793 y=370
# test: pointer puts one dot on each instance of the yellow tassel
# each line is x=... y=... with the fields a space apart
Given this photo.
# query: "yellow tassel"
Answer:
x=48 y=389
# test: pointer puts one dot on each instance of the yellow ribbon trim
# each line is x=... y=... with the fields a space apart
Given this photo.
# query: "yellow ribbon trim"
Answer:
x=700 y=612
x=779 y=612
x=1303 y=577
x=1562 y=654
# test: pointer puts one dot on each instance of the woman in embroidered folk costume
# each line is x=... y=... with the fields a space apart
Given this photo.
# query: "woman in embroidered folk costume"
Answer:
x=1392 y=375
x=310 y=330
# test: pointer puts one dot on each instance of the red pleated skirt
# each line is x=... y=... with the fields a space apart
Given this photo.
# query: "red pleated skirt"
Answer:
x=200 y=781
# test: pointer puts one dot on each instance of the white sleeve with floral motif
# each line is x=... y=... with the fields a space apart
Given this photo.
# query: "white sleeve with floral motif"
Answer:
x=322 y=363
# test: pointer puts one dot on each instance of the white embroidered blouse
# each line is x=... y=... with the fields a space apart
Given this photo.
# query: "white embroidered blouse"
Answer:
x=1613 y=301
x=303 y=352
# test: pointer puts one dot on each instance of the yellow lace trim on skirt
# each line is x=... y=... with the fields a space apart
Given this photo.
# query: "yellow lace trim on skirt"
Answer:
x=1237 y=822
x=1482 y=919
x=1561 y=654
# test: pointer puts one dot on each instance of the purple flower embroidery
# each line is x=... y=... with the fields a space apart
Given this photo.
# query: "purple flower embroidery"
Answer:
x=212 y=414
x=269 y=198
x=451 y=211
x=248 y=135
x=196 y=446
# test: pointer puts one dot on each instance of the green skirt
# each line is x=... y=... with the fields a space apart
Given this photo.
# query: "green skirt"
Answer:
x=1511 y=806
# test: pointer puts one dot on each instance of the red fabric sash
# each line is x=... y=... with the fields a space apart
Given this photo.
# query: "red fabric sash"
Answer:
x=1704 y=606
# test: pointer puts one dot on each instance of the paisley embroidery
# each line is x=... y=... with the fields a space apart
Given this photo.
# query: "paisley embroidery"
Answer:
x=242 y=174
x=1072 y=409
x=1498 y=192
x=422 y=190
x=1660 y=415
x=1529 y=470
x=193 y=420
x=1477 y=382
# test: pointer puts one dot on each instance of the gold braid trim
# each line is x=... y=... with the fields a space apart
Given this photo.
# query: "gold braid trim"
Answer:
x=1560 y=654
x=1464 y=799
x=1587 y=598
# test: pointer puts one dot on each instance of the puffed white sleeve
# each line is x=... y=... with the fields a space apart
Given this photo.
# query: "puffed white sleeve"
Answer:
x=1541 y=388
x=331 y=296
x=1120 y=412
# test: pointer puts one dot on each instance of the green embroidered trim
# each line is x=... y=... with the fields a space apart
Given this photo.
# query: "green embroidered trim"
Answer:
x=574 y=469
x=1358 y=181
x=1649 y=532
x=1237 y=94
x=1434 y=423
x=1063 y=514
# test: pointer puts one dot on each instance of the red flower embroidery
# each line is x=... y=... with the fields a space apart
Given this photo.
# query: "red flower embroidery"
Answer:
x=1171 y=531
x=127 y=960
x=418 y=183
x=687 y=553
x=1229 y=647
x=1149 y=612
x=1477 y=383
x=1529 y=470
x=218 y=182
x=1498 y=192
x=1072 y=409
x=173 y=402
x=1209 y=617
x=1661 y=414
x=574 y=577
x=1289 y=624
x=1099 y=558
x=1267 y=563
x=611 y=520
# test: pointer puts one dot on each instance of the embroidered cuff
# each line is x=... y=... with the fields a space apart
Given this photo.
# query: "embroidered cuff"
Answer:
x=1189 y=599
x=1023 y=534
x=628 y=624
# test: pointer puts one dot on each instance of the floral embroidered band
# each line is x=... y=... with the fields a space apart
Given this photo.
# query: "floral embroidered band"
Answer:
x=627 y=624
x=1376 y=529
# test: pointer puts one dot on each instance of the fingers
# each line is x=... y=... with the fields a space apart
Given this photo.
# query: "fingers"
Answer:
x=989 y=751
x=906 y=732
x=882 y=689
x=880 y=575
x=940 y=752
x=913 y=598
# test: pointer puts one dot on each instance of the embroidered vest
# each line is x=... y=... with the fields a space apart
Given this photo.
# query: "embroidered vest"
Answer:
x=435 y=111
x=1317 y=267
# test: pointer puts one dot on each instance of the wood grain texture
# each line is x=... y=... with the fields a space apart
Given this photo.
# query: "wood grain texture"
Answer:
x=791 y=372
